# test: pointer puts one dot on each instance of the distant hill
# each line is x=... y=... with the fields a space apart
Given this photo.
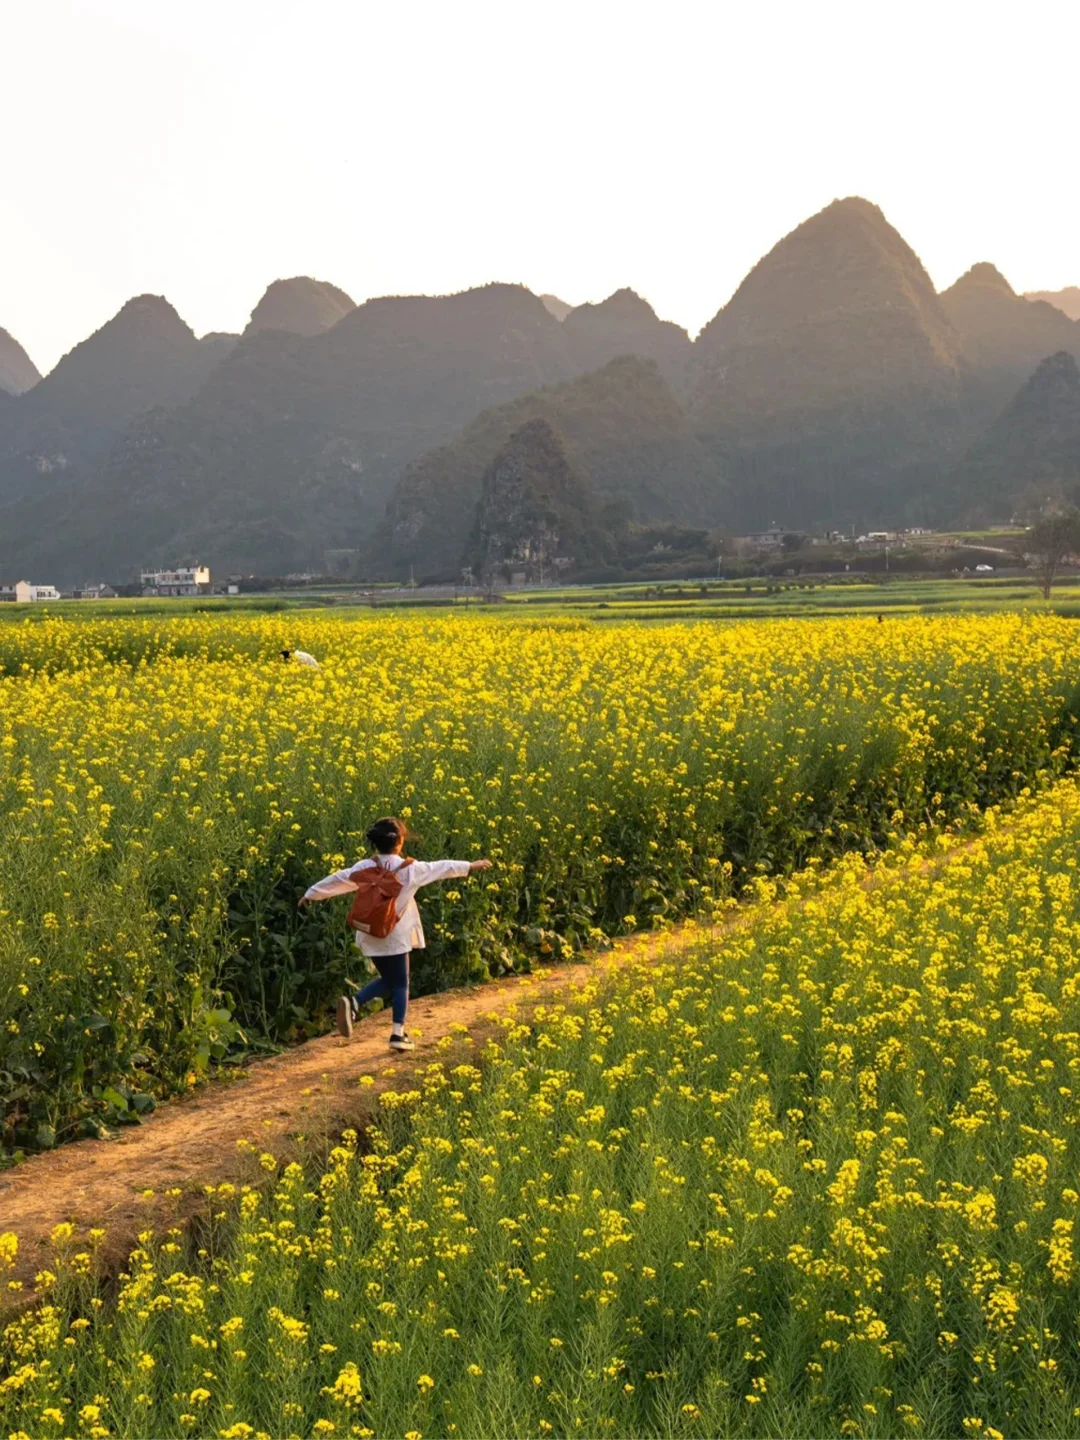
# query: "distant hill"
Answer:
x=534 y=506
x=554 y=306
x=1067 y=300
x=17 y=371
x=295 y=443
x=624 y=324
x=144 y=356
x=624 y=432
x=1004 y=336
x=216 y=345
x=301 y=306
x=831 y=384
x=54 y=438
x=1030 y=454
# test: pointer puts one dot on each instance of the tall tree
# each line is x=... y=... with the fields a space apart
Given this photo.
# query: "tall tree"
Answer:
x=1048 y=543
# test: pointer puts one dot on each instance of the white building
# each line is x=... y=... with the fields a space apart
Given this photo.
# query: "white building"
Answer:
x=762 y=540
x=186 y=580
x=23 y=593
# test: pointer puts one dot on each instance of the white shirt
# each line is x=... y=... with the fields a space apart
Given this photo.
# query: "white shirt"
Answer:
x=408 y=933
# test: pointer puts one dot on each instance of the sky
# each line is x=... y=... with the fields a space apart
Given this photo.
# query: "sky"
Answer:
x=202 y=149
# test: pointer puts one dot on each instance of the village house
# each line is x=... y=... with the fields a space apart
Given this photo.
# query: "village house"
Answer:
x=185 y=580
x=23 y=593
x=762 y=540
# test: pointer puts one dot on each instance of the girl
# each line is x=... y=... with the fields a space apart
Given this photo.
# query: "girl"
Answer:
x=390 y=953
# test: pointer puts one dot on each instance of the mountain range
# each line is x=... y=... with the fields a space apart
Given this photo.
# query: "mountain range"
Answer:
x=835 y=388
x=1067 y=300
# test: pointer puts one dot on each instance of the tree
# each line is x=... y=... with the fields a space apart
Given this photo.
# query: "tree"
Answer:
x=1049 y=541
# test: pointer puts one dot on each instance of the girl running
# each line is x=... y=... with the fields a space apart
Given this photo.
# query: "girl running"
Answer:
x=389 y=951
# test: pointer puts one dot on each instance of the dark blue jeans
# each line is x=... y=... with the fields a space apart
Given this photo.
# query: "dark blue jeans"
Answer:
x=391 y=984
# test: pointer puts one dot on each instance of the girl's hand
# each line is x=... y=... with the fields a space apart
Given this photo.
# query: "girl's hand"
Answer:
x=479 y=864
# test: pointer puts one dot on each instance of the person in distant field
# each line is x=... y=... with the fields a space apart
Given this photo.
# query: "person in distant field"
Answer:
x=386 y=918
x=301 y=657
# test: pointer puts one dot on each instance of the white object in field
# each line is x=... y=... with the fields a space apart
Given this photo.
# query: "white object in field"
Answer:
x=303 y=658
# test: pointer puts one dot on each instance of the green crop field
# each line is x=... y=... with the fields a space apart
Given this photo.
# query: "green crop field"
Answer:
x=801 y=598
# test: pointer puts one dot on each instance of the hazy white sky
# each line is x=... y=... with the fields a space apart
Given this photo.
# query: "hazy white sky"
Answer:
x=201 y=148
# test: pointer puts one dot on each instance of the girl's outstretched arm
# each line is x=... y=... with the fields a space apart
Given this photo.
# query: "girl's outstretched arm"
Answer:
x=426 y=872
x=340 y=883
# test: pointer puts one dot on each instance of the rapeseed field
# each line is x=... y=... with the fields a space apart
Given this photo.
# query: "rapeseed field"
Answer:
x=816 y=1174
x=168 y=787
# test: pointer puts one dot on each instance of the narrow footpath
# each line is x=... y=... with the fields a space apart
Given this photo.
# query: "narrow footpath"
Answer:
x=289 y=1102
x=300 y=1097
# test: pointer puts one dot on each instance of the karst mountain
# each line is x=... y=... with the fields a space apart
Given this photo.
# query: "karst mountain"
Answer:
x=1004 y=335
x=301 y=306
x=624 y=431
x=1067 y=300
x=837 y=387
x=832 y=383
x=18 y=372
x=625 y=324
x=535 y=506
x=1030 y=456
x=144 y=356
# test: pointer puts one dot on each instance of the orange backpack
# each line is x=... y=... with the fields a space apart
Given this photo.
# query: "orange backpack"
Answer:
x=374 y=910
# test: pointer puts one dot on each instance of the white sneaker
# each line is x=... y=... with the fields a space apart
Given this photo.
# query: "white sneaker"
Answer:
x=401 y=1042
x=344 y=1015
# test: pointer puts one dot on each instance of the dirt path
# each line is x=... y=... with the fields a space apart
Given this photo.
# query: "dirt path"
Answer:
x=300 y=1097
x=311 y=1091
